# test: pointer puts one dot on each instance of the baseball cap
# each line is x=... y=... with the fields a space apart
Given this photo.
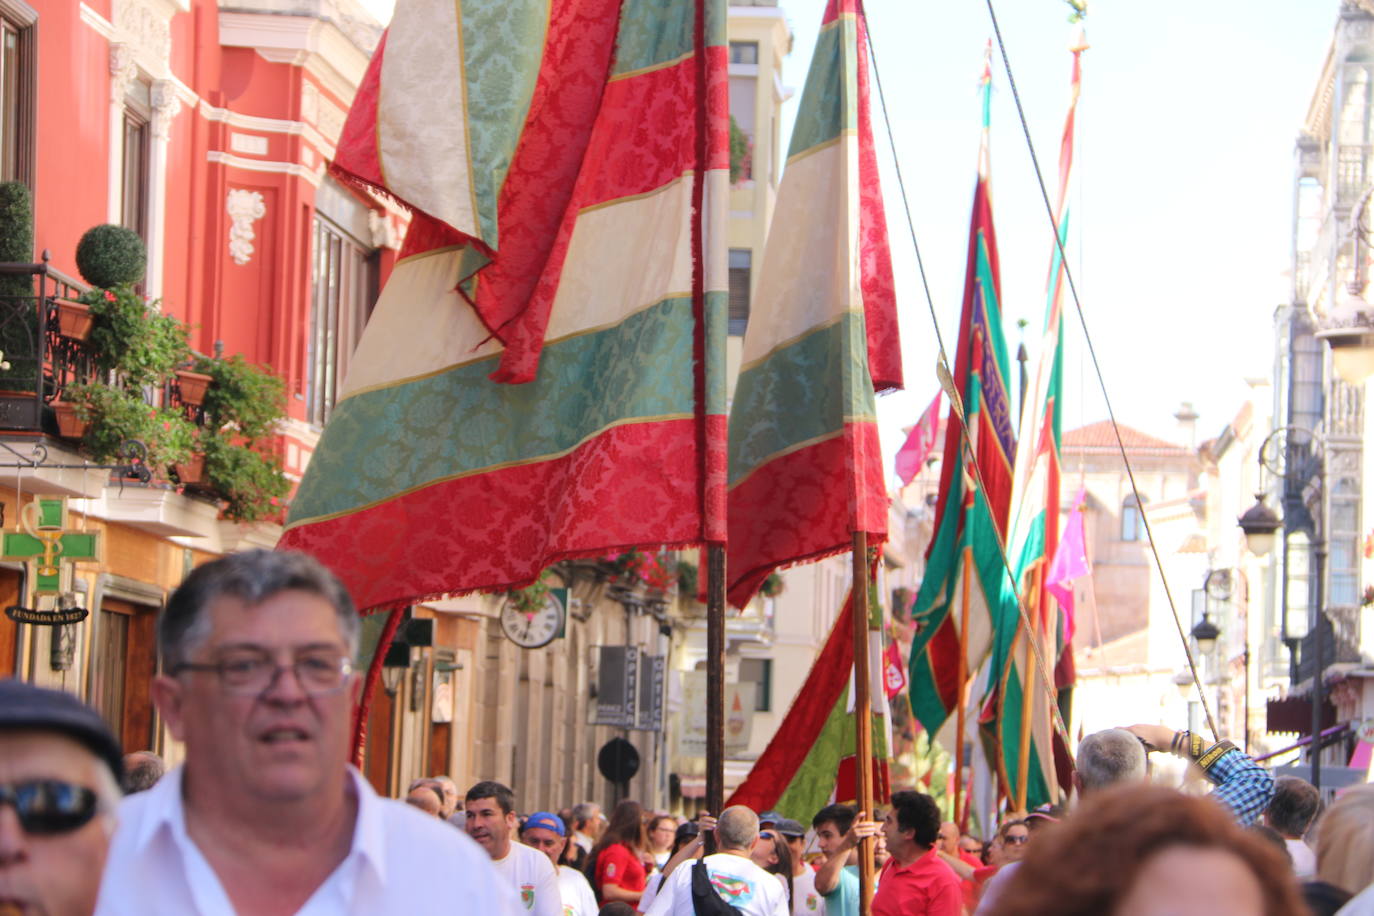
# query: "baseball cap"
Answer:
x=547 y=821
x=24 y=706
x=788 y=827
x=769 y=817
x=689 y=829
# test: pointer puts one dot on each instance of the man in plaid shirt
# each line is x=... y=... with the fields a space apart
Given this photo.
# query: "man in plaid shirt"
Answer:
x=1241 y=784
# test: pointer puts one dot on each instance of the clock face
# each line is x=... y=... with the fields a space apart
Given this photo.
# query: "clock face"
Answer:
x=532 y=629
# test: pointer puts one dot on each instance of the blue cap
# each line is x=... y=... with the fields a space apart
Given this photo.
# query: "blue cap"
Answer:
x=547 y=821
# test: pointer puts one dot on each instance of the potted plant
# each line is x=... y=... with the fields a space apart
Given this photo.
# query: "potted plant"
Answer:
x=191 y=386
x=143 y=346
x=242 y=408
x=71 y=421
x=115 y=415
x=74 y=319
x=249 y=481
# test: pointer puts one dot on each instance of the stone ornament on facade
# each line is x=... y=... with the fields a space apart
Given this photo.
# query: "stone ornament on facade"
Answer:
x=244 y=208
x=166 y=106
x=123 y=71
x=147 y=29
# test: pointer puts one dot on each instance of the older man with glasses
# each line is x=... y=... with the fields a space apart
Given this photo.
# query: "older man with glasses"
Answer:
x=59 y=772
x=265 y=817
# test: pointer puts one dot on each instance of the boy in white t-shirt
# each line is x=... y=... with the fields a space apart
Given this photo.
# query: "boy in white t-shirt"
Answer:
x=805 y=900
x=733 y=876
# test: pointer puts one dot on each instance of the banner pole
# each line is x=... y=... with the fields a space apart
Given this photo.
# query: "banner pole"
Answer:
x=863 y=716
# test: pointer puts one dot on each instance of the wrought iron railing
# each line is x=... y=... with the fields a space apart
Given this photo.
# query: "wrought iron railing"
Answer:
x=39 y=362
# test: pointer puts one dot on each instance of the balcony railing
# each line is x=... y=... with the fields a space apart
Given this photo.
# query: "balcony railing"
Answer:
x=39 y=361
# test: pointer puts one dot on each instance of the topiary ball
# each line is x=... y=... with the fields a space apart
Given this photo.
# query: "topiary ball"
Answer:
x=109 y=256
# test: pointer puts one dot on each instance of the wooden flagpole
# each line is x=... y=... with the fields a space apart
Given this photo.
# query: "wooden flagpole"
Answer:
x=715 y=678
x=1027 y=696
x=963 y=676
x=863 y=716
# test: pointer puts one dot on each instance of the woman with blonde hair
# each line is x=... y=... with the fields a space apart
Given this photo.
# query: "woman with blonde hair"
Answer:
x=1345 y=851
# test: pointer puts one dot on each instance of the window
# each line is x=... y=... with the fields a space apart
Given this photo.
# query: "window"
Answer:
x=17 y=90
x=1132 y=520
x=1344 y=581
x=344 y=290
x=744 y=52
x=134 y=182
x=741 y=261
x=1305 y=384
x=759 y=672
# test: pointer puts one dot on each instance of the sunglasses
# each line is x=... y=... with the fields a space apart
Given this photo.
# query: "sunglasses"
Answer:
x=48 y=806
x=1015 y=840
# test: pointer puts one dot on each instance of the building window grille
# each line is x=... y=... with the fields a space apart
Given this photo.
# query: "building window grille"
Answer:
x=18 y=90
x=741 y=261
x=343 y=292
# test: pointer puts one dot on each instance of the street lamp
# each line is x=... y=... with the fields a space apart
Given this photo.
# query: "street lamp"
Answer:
x=1260 y=523
x=1205 y=634
x=1299 y=464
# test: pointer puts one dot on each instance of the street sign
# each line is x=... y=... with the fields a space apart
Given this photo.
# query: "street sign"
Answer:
x=51 y=618
x=45 y=544
x=617 y=695
x=739 y=716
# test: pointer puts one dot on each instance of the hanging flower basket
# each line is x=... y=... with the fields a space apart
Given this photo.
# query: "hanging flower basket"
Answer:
x=193 y=386
x=74 y=319
x=192 y=470
x=70 y=425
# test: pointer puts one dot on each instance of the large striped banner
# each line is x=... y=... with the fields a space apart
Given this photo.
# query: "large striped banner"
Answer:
x=542 y=377
x=805 y=466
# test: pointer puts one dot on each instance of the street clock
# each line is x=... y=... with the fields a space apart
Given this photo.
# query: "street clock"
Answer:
x=535 y=628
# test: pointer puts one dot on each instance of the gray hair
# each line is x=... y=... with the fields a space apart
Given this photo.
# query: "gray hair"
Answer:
x=737 y=828
x=142 y=770
x=584 y=811
x=253 y=577
x=1109 y=758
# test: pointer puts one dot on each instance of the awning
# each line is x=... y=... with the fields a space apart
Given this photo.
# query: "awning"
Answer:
x=1292 y=715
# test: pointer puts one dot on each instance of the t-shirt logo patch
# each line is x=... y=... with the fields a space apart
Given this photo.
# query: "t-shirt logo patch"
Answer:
x=610 y=869
x=733 y=890
x=527 y=895
x=811 y=901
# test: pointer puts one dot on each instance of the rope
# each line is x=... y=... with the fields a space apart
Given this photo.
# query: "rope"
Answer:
x=956 y=404
x=1097 y=368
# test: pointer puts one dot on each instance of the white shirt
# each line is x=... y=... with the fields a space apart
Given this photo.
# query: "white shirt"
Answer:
x=531 y=873
x=1362 y=904
x=582 y=841
x=401 y=860
x=576 y=893
x=805 y=900
x=737 y=880
x=1304 y=859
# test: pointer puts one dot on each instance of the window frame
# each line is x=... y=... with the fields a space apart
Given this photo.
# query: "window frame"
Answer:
x=330 y=245
x=743 y=298
x=21 y=19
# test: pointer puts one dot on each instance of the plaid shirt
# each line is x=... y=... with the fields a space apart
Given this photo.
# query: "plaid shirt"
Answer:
x=1242 y=785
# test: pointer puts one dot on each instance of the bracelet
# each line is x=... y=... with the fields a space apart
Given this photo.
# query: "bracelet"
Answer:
x=1214 y=753
x=1178 y=740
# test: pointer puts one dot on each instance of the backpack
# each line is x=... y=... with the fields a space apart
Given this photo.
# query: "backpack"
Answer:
x=705 y=900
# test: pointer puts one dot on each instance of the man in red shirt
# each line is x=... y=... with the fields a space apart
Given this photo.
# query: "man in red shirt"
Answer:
x=963 y=863
x=915 y=881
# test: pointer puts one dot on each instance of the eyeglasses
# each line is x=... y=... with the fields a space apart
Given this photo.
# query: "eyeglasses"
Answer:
x=49 y=806
x=1015 y=840
x=253 y=673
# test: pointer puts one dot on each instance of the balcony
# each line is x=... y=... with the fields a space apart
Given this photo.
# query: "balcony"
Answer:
x=38 y=362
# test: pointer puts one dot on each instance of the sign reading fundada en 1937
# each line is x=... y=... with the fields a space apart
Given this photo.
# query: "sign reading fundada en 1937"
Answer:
x=44 y=544
x=53 y=618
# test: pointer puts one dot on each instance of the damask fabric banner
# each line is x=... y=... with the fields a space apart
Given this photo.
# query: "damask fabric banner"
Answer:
x=805 y=466
x=543 y=375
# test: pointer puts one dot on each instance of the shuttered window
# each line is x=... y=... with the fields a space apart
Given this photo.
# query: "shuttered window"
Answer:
x=741 y=260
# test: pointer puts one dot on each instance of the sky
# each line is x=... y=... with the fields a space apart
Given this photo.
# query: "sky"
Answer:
x=1181 y=219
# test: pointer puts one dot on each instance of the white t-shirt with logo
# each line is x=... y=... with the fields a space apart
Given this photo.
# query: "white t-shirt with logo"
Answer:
x=737 y=880
x=805 y=900
x=531 y=874
x=575 y=892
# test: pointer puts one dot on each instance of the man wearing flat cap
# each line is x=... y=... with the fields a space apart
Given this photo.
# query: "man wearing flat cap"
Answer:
x=59 y=786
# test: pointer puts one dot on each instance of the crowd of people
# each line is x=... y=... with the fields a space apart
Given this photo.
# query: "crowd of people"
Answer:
x=264 y=817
